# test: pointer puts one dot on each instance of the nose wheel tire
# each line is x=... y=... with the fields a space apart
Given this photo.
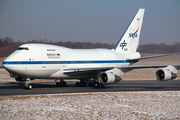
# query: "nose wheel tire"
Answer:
x=28 y=86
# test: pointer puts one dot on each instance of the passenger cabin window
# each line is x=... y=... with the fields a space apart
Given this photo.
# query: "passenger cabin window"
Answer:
x=22 y=48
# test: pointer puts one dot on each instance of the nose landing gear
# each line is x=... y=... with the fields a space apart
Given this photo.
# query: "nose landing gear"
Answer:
x=27 y=85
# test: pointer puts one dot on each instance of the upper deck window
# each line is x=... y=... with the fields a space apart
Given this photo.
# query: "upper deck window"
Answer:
x=22 y=48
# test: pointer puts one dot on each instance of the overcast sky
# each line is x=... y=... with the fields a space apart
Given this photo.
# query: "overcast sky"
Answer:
x=88 y=20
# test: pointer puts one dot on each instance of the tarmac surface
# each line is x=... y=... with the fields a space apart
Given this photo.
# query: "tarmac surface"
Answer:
x=16 y=88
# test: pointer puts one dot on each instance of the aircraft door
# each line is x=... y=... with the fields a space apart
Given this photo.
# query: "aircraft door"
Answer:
x=64 y=62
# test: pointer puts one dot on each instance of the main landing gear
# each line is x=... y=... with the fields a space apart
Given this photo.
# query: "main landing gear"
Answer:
x=62 y=83
x=96 y=85
x=84 y=82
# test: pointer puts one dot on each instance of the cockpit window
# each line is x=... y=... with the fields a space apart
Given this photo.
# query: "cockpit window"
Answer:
x=22 y=48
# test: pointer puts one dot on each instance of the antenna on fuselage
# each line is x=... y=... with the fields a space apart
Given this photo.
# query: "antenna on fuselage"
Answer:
x=42 y=35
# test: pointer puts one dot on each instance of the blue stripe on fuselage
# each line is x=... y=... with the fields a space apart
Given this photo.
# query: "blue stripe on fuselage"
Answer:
x=65 y=62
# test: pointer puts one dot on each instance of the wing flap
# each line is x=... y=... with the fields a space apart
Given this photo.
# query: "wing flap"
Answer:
x=75 y=70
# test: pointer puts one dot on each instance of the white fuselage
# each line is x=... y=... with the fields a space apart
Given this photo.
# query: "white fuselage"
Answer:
x=49 y=61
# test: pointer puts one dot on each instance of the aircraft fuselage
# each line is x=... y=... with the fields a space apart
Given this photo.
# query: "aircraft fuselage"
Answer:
x=48 y=61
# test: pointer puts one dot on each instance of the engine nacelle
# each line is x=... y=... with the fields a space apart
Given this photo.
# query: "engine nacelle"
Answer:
x=107 y=77
x=20 y=79
x=165 y=75
x=11 y=75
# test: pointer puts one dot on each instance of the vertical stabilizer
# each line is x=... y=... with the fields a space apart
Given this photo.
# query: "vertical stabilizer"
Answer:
x=130 y=39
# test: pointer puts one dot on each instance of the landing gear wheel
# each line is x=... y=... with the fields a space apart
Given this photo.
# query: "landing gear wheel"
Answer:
x=90 y=84
x=64 y=84
x=57 y=84
x=99 y=85
x=30 y=87
x=26 y=85
x=95 y=84
x=77 y=84
x=61 y=84
x=84 y=84
x=103 y=85
x=81 y=84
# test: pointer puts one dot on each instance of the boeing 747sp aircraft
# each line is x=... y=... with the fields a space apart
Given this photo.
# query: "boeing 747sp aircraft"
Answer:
x=95 y=67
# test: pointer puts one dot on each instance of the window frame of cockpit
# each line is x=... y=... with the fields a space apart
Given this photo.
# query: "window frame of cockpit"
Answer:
x=22 y=48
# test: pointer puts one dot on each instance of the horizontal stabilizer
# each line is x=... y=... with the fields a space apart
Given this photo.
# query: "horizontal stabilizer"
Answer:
x=154 y=56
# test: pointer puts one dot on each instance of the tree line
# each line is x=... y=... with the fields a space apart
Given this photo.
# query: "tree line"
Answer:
x=8 y=45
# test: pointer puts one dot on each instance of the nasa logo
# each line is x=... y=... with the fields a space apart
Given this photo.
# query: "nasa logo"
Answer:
x=133 y=35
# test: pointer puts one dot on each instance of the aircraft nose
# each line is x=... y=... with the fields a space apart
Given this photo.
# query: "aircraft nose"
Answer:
x=7 y=64
x=4 y=64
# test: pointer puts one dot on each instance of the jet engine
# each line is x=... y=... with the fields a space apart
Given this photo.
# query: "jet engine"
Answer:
x=107 y=77
x=167 y=73
x=17 y=78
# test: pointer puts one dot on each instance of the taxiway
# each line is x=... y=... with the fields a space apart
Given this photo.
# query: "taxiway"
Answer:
x=15 y=88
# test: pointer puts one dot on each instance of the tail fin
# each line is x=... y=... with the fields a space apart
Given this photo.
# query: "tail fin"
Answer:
x=130 y=39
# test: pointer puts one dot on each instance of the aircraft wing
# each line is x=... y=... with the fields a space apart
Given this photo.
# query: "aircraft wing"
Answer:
x=100 y=69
